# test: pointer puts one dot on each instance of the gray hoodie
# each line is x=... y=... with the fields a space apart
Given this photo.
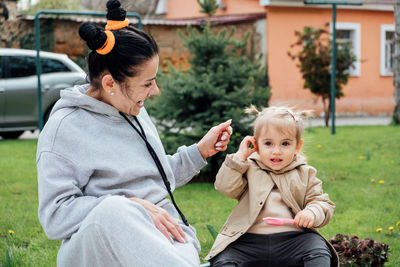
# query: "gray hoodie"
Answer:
x=87 y=152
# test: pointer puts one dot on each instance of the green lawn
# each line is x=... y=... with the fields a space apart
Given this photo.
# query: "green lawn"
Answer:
x=346 y=163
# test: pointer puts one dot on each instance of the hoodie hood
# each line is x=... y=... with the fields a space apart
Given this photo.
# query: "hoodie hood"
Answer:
x=297 y=161
x=75 y=97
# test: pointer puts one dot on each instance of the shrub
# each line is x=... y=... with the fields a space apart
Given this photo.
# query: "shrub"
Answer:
x=360 y=252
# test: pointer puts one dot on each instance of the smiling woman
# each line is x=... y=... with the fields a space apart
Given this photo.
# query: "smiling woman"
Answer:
x=103 y=175
x=129 y=96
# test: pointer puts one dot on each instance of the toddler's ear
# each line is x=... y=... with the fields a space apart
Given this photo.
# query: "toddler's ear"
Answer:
x=254 y=143
x=299 y=145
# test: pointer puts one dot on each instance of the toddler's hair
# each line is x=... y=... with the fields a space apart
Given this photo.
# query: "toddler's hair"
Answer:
x=284 y=119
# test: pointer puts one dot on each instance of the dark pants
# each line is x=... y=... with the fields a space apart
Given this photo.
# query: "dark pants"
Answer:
x=280 y=249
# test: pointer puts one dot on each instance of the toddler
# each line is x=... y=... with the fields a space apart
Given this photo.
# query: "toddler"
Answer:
x=271 y=178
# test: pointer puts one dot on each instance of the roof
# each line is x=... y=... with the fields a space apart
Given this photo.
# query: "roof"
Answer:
x=228 y=19
x=384 y=5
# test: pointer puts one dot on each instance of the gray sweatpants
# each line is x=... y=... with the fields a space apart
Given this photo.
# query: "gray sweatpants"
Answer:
x=119 y=232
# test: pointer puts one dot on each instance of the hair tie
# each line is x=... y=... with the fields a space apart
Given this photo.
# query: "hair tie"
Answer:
x=116 y=24
x=295 y=117
x=108 y=45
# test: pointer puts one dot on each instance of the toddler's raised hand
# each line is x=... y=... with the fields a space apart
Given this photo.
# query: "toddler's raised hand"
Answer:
x=304 y=218
x=244 y=149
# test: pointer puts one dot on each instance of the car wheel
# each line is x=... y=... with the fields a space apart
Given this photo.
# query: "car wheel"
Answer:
x=11 y=135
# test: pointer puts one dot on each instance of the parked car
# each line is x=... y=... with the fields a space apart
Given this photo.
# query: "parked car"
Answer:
x=18 y=87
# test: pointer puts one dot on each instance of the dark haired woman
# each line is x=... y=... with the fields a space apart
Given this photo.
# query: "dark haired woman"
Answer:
x=103 y=174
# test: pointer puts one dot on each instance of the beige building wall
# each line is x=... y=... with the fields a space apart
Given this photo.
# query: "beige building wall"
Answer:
x=368 y=93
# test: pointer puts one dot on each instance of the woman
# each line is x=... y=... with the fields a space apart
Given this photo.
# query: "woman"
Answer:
x=103 y=174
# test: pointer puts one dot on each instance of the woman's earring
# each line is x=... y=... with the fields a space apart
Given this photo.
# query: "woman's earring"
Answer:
x=112 y=93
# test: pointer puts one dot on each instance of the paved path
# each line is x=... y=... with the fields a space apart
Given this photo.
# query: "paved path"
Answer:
x=340 y=121
x=30 y=135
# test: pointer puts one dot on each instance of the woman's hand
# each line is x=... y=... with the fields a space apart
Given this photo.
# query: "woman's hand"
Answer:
x=244 y=149
x=304 y=218
x=215 y=140
x=163 y=221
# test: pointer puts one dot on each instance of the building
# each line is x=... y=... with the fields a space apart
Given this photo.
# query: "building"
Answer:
x=369 y=29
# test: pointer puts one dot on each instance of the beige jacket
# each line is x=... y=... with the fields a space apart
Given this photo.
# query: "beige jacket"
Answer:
x=251 y=182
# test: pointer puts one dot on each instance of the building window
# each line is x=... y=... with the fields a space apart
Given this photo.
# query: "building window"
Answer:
x=221 y=3
x=387 y=50
x=350 y=34
x=162 y=7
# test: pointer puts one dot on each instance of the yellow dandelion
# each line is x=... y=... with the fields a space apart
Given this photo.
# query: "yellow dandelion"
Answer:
x=361 y=157
x=372 y=180
x=10 y=232
x=381 y=181
x=319 y=146
x=398 y=224
x=391 y=228
x=378 y=229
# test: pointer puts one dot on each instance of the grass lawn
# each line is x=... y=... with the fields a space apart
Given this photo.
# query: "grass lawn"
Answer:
x=346 y=162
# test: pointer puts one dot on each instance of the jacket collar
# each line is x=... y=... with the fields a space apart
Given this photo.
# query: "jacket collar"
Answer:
x=298 y=161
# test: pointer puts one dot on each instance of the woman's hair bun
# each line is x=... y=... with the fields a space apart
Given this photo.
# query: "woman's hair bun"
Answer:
x=93 y=35
x=115 y=11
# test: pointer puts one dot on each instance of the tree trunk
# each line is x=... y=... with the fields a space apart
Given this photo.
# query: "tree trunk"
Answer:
x=396 y=67
x=396 y=113
x=327 y=111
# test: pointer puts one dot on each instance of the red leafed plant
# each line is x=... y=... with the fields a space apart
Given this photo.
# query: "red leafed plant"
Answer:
x=354 y=251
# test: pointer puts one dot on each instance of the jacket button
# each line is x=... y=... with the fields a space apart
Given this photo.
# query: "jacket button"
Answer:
x=261 y=203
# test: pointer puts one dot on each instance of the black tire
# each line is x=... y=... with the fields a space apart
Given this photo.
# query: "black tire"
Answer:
x=11 y=135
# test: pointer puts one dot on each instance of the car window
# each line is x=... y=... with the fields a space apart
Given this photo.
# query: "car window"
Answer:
x=21 y=66
x=52 y=65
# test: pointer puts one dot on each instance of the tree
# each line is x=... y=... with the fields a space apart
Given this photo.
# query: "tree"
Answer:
x=314 y=63
x=54 y=4
x=145 y=8
x=3 y=13
x=396 y=69
x=220 y=82
x=208 y=7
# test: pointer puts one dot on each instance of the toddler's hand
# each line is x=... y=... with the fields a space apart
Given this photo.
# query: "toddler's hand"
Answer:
x=304 y=218
x=244 y=149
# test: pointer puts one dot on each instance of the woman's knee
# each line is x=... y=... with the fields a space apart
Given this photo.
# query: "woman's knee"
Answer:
x=115 y=210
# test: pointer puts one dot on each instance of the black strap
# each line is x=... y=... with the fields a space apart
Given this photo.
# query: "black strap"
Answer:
x=158 y=163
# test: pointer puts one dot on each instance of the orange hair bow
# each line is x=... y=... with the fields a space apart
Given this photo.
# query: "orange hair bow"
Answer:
x=108 y=45
x=116 y=24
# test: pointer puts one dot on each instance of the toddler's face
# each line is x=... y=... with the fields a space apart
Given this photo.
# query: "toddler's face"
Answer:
x=276 y=149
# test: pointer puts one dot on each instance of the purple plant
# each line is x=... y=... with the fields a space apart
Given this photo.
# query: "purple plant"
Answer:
x=360 y=252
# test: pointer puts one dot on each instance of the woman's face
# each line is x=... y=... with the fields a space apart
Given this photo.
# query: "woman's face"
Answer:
x=129 y=96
